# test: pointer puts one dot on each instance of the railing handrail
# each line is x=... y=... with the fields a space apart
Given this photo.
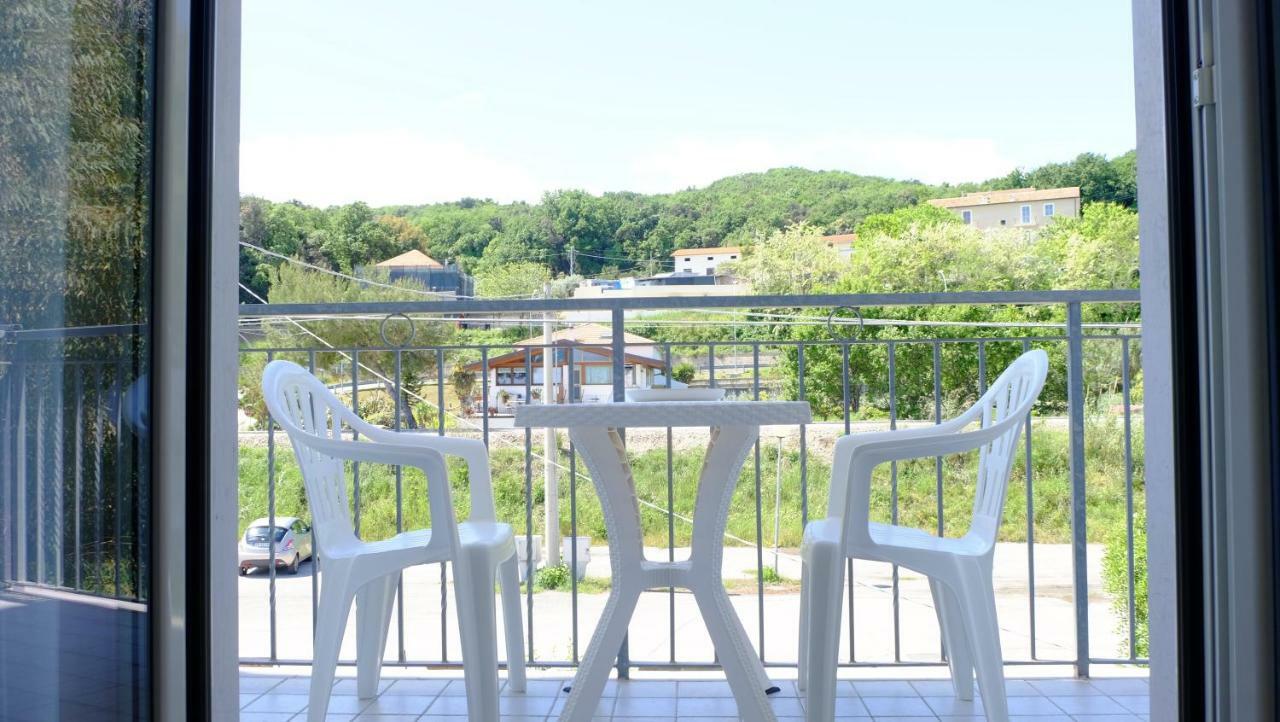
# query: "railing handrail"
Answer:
x=658 y=303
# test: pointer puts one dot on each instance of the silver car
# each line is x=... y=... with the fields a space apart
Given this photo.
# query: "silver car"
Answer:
x=291 y=537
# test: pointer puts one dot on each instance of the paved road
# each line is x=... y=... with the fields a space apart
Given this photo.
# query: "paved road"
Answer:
x=652 y=627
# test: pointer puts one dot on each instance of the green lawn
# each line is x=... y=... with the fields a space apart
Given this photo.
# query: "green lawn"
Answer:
x=916 y=491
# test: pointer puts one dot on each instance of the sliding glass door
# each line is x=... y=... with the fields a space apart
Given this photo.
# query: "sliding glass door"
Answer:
x=77 y=98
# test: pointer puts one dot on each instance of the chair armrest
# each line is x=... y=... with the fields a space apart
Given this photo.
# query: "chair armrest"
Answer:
x=430 y=461
x=473 y=452
x=857 y=456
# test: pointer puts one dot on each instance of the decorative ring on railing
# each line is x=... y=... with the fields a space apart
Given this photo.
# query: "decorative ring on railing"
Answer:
x=382 y=330
x=831 y=322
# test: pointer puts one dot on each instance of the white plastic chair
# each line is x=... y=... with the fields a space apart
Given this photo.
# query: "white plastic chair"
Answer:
x=959 y=570
x=367 y=572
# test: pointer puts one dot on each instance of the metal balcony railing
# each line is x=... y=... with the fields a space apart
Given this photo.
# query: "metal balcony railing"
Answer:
x=59 y=446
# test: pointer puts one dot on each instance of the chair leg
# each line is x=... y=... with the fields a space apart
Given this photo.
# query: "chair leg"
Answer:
x=331 y=621
x=954 y=637
x=373 y=619
x=802 y=662
x=473 y=583
x=977 y=598
x=509 y=580
x=826 y=577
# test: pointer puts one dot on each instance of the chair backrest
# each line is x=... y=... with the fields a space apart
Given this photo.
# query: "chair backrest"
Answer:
x=1010 y=396
x=304 y=407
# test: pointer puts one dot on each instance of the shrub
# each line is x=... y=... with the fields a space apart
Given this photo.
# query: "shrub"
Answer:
x=1115 y=578
x=552 y=578
x=683 y=372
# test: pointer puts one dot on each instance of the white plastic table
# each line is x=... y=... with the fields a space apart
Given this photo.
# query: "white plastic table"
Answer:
x=735 y=426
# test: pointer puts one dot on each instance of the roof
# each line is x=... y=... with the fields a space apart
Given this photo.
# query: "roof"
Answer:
x=1016 y=195
x=840 y=239
x=410 y=259
x=587 y=333
x=533 y=358
x=707 y=251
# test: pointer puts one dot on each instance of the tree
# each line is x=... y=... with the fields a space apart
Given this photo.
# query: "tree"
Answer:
x=512 y=280
x=299 y=285
x=901 y=220
x=795 y=260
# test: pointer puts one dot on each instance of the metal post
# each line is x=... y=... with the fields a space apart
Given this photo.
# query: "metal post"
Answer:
x=777 y=506
x=550 y=448
x=1079 y=550
x=618 y=341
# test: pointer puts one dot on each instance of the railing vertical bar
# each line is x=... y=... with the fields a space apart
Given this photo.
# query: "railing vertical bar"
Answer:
x=1128 y=493
x=119 y=423
x=315 y=578
x=845 y=395
x=41 y=481
x=892 y=352
x=804 y=435
x=572 y=377
x=1031 y=525
x=937 y=419
x=573 y=529
x=671 y=522
x=77 y=507
x=355 y=465
x=528 y=500
x=618 y=343
x=99 y=460
x=484 y=394
x=7 y=459
x=755 y=396
x=59 y=487
x=444 y=566
x=1079 y=538
x=271 y=524
x=399 y=413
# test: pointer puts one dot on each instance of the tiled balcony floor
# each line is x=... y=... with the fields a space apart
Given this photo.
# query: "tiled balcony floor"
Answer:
x=267 y=695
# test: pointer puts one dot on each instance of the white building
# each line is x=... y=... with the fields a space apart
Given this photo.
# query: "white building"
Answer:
x=704 y=261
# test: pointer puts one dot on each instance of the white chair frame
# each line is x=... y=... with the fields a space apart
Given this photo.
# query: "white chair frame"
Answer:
x=959 y=569
x=367 y=573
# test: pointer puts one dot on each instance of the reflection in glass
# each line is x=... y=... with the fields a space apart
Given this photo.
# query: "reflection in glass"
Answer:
x=76 y=94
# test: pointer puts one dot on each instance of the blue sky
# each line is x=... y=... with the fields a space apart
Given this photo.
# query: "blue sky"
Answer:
x=402 y=101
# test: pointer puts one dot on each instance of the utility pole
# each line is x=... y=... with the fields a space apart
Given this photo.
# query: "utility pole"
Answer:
x=550 y=444
x=572 y=259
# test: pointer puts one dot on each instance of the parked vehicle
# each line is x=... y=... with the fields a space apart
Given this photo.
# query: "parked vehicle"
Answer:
x=292 y=539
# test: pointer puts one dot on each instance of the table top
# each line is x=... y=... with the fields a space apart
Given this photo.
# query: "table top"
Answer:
x=661 y=414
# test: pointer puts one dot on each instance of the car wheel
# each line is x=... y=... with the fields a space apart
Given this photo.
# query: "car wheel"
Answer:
x=293 y=565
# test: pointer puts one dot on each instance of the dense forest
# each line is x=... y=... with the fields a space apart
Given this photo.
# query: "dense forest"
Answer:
x=572 y=230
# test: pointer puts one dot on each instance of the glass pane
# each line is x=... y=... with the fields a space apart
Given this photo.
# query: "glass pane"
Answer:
x=76 y=91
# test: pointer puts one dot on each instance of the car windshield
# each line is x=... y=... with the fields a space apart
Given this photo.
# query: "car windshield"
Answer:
x=260 y=533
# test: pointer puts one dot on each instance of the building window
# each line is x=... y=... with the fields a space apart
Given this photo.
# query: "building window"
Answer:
x=966 y=216
x=711 y=258
x=1048 y=210
x=1026 y=215
x=732 y=257
x=597 y=375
